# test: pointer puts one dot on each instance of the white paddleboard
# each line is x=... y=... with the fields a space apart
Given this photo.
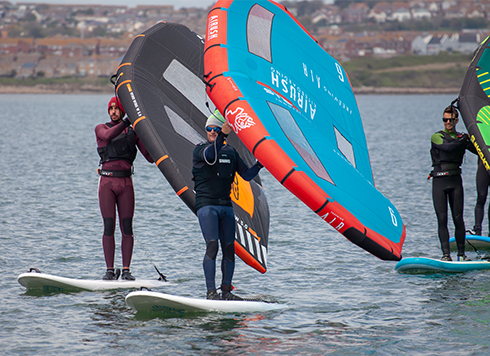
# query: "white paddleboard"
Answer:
x=148 y=301
x=49 y=282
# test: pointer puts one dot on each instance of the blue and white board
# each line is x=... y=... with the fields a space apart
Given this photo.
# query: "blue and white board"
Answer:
x=430 y=265
x=479 y=242
x=49 y=282
x=155 y=302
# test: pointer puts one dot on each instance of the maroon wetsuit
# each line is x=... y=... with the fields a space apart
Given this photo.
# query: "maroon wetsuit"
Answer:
x=117 y=191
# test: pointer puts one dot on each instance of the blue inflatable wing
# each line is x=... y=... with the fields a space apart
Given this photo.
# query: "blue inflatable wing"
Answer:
x=293 y=106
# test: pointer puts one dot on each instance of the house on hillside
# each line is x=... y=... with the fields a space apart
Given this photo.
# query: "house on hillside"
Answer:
x=48 y=67
x=446 y=4
x=68 y=68
x=468 y=42
x=26 y=70
x=6 y=66
x=377 y=15
x=455 y=12
x=428 y=44
x=419 y=44
x=356 y=13
x=421 y=13
x=401 y=14
x=24 y=65
x=436 y=45
x=475 y=12
x=327 y=15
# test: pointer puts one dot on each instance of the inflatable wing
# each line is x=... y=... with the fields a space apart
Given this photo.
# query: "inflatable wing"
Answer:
x=293 y=106
x=159 y=83
x=474 y=102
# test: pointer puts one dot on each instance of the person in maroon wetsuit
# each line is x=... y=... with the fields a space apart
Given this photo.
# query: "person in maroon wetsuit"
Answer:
x=116 y=145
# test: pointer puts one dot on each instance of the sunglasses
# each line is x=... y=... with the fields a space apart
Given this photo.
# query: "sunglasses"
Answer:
x=447 y=120
x=215 y=129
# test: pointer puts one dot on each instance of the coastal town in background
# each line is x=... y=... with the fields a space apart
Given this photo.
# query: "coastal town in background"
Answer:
x=42 y=40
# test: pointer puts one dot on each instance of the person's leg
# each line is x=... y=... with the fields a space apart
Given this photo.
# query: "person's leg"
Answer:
x=125 y=209
x=439 y=200
x=456 y=202
x=107 y=204
x=227 y=224
x=209 y=222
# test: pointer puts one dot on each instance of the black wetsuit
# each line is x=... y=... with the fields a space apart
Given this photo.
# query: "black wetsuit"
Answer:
x=214 y=167
x=482 y=183
x=447 y=154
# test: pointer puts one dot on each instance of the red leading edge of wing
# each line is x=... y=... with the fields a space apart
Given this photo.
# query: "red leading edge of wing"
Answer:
x=227 y=97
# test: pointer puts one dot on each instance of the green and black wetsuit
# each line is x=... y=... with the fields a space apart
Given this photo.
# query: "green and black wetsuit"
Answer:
x=447 y=154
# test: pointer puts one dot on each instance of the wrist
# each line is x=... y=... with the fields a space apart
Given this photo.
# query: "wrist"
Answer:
x=222 y=134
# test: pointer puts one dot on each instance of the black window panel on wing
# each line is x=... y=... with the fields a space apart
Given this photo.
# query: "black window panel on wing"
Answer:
x=299 y=141
x=259 y=27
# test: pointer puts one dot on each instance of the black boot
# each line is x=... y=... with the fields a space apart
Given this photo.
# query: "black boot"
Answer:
x=110 y=275
x=227 y=295
x=126 y=275
x=477 y=230
x=213 y=295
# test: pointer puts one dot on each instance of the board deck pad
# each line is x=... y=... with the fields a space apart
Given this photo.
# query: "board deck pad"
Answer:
x=479 y=242
x=431 y=265
x=48 y=282
x=155 y=302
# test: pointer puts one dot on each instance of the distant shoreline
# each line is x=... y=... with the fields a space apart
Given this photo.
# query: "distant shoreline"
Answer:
x=405 y=91
x=109 y=89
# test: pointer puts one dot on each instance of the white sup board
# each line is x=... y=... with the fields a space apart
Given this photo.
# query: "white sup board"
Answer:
x=148 y=301
x=49 y=282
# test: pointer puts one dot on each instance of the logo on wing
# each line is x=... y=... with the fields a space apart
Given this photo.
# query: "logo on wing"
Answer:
x=242 y=119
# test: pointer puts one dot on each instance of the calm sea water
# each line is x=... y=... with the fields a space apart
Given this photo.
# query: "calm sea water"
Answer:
x=340 y=300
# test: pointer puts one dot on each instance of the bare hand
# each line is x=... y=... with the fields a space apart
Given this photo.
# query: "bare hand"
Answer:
x=226 y=128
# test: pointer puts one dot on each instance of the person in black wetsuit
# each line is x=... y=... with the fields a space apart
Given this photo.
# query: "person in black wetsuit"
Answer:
x=482 y=183
x=116 y=145
x=214 y=164
x=447 y=151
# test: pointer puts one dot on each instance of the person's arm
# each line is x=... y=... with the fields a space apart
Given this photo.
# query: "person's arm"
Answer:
x=210 y=152
x=106 y=133
x=143 y=150
x=245 y=172
x=437 y=142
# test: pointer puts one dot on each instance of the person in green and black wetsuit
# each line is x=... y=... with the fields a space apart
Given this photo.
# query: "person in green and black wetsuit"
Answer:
x=447 y=151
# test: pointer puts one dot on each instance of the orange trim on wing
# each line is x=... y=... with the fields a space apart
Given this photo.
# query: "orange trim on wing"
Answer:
x=161 y=160
x=139 y=119
x=126 y=81
x=182 y=190
x=247 y=258
x=122 y=65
